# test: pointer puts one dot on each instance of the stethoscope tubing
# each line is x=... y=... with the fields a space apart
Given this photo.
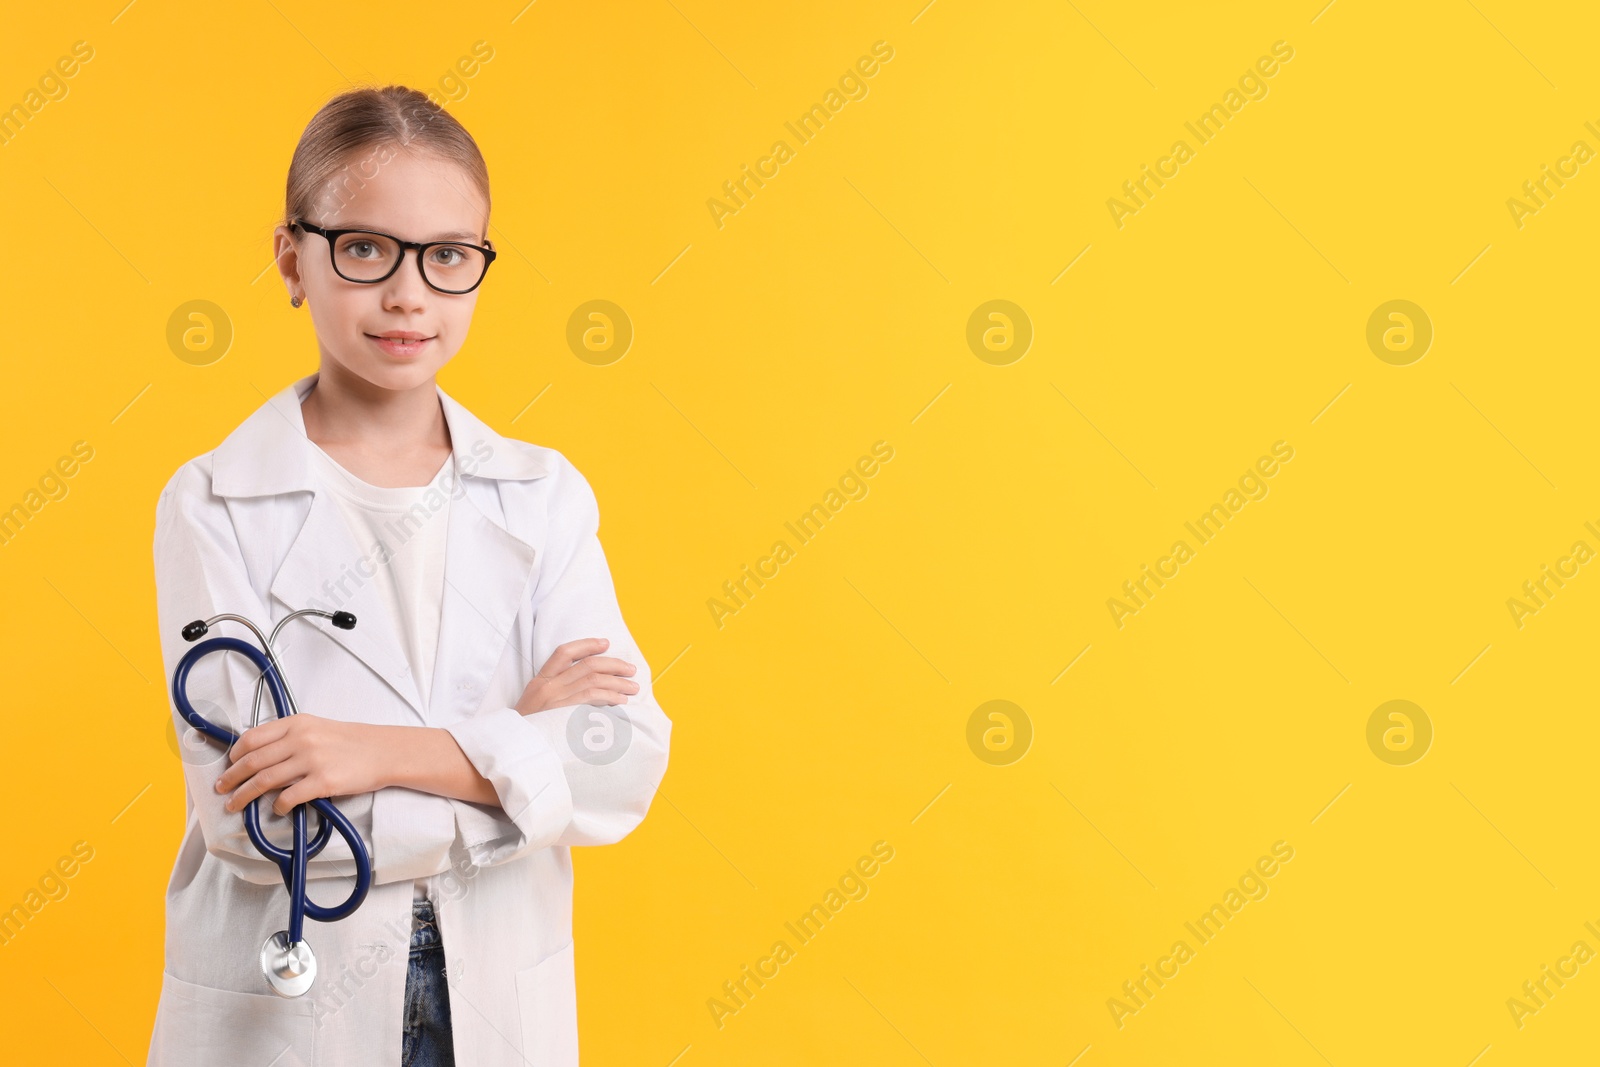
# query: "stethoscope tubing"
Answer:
x=292 y=861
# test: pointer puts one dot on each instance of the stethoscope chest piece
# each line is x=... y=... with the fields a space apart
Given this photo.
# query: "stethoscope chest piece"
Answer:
x=290 y=969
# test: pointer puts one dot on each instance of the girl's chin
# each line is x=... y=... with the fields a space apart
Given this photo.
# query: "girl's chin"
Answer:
x=391 y=373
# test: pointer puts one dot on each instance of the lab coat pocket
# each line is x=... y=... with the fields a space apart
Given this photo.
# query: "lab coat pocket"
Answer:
x=202 y=1025
x=547 y=997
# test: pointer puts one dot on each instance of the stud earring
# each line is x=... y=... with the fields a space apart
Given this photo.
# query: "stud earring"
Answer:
x=294 y=301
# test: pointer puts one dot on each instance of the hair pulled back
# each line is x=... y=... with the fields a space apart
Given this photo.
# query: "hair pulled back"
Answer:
x=353 y=135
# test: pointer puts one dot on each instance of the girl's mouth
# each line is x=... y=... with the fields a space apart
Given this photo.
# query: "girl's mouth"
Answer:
x=397 y=346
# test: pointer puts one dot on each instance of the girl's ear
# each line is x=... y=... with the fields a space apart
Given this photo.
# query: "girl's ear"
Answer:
x=288 y=259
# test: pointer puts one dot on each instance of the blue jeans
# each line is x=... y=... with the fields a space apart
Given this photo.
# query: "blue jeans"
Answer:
x=426 y=1042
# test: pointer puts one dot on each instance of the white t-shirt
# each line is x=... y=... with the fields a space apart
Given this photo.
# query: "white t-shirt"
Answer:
x=401 y=532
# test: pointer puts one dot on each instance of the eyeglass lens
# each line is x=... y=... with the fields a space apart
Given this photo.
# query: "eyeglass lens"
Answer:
x=365 y=257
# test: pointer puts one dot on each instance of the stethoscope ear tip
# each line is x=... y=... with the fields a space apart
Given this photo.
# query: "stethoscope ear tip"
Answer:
x=344 y=620
x=195 y=630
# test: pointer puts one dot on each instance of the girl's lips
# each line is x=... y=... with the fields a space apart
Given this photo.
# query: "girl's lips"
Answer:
x=397 y=347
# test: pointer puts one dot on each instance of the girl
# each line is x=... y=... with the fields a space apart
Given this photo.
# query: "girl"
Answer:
x=469 y=559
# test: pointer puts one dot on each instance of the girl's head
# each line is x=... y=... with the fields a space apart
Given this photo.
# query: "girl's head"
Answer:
x=393 y=162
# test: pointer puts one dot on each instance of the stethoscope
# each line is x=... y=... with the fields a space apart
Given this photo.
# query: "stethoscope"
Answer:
x=286 y=958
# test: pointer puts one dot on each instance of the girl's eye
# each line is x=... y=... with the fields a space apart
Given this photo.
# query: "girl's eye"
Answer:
x=356 y=248
x=449 y=257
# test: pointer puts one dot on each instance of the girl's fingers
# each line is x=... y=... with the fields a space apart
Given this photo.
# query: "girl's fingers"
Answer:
x=599 y=689
x=597 y=697
x=595 y=666
x=585 y=679
x=300 y=792
x=610 y=682
x=251 y=763
x=565 y=655
x=258 y=737
x=576 y=673
x=273 y=777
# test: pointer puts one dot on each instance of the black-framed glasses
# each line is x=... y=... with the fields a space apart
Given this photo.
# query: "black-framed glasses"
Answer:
x=368 y=257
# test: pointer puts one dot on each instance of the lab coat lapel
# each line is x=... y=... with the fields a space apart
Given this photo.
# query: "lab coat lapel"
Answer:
x=489 y=572
x=488 y=575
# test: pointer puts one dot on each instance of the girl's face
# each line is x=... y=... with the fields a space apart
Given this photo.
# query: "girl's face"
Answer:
x=414 y=197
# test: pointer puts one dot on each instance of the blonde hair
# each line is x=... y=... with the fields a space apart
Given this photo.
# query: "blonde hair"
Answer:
x=372 y=124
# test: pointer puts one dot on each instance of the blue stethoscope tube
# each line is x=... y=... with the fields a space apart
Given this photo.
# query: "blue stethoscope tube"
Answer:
x=291 y=861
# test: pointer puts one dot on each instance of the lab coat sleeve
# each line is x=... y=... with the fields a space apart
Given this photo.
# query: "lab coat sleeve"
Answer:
x=552 y=791
x=200 y=572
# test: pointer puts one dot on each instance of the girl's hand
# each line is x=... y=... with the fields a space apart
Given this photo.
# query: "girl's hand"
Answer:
x=577 y=674
x=307 y=757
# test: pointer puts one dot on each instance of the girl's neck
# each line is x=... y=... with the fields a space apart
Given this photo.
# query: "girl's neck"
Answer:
x=384 y=437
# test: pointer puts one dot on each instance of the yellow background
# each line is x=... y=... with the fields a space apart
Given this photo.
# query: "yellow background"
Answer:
x=769 y=355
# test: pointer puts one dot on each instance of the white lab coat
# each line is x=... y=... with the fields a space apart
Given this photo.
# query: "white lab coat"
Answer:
x=244 y=529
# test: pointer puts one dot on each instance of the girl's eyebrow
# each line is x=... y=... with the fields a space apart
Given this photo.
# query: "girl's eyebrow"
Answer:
x=453 y=235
